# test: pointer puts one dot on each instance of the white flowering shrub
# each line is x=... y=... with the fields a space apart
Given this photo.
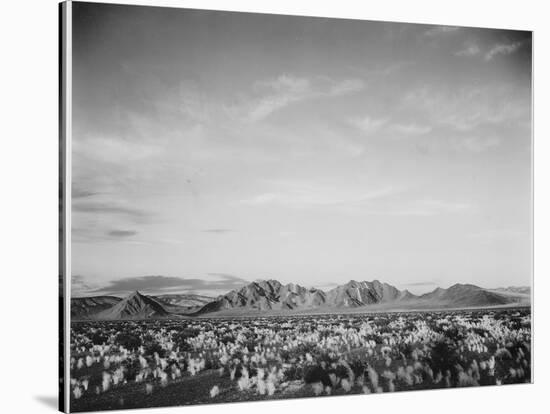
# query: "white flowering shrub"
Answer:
x=173 y=362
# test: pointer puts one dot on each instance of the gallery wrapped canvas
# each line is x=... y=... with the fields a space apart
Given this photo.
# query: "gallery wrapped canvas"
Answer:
x=258 y=207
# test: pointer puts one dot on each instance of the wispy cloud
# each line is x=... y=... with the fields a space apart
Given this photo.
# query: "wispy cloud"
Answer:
x=502 y=49
x=317 y=196
x=419 y=284
x=476 y=144
x=345 y=87
x=81 y=286
x=468 y=119
x=121 y=233
x=418 y=288
x=438 y=30
x=435 y=206
x=98 y=234
x=218 y=231
x=368 y=125
x=389 y=201
x=469 y=50
x=426 y=207
x=115 y=150
x=275 y=94
x=77 y=192
x=411 y=129
x=492 y=235
x=163 y=284
x=136 y=214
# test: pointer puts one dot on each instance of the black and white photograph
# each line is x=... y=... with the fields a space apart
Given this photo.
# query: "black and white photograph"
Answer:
x=266 y=206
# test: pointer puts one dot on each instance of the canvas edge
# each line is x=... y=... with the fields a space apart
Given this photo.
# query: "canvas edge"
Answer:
x=65 y=125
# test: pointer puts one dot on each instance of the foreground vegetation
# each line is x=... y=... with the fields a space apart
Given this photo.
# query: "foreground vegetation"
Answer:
x=131 y=364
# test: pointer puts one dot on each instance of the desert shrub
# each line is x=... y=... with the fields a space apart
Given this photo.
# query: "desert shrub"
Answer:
x=358 y=366
x=132 y=368
x=444 y=357
x=226 y=339
x=294 y=372
x=128 y=341
x=315 y=373
x=454 y=334
x=406 y=349
x=99 y=337
x=152 y=347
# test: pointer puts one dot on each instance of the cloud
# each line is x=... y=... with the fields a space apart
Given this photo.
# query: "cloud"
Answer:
x=218 y=231
x=469 y=50
x=280 y=92
x=418 y=288
x=77 y=192
x=136 y=214
x=325 y=286
x=368 y=125
x=115 y=150
x=411 y=129
x=346 y=87
x=492 y=235
x=469 y=118
x=277 y=93
x=419 y=208
x=430 y=207
x=163 y=284
x=300 y=195
x=502 y=49
x=439 y=30
x=228 y=277
x=476 y=144
x=121 y=233
x=419 y=284
x=80 y=286
x=96 y=234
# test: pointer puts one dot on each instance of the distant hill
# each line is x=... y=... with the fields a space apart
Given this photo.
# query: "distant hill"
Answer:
x=187 y=300
x=183 y=303
x=86 y=308
x=464 y=295
x=135 y=306
x=522 y=290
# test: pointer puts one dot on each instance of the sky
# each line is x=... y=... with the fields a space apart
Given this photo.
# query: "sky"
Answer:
x=211 y=149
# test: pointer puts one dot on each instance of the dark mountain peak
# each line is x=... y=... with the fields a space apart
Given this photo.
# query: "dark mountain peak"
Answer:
x=355 y=294
x=135 y=306
x=268 y=295
x=270 y=284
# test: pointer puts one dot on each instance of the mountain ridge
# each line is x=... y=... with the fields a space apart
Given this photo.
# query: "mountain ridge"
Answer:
x=271 y=296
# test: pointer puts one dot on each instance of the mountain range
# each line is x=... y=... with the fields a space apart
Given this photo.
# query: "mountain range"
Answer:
x=136 y=306
x=271 y=296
